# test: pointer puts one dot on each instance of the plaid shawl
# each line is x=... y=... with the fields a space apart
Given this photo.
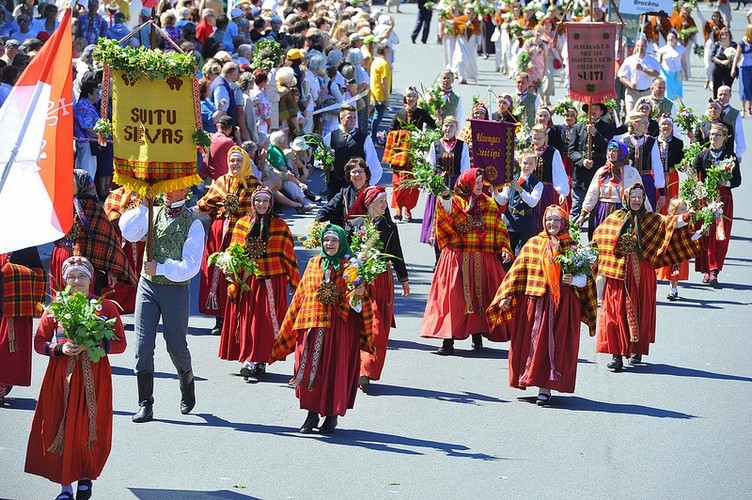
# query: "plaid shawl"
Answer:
x=118 y=202
x=103 y=250
x=279 y=258
x=526 y=278
x=661 y=244
x=306 y=311
x=395 y=150
x=213 y=202
x=23 y=290
x=458 y=230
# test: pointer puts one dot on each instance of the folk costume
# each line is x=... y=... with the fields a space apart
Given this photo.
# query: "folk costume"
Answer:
x=227 y=200
x=518 y=214
x=544 y=314
x=632 y=244
x=22 y=284
x=325 y=331
x=645 y=157
x=93 y=237
x=381 y=290
x=465 y=56
x=347 y=145
x=550 y=171
x=671 y=151
x=71 y=434
x=472 y=237
x=118 y=202
x=253 y=317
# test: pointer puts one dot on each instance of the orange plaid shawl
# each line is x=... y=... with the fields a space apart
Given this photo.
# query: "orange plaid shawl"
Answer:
x=395 y=150
x=526 y=278
x=661 y=243
x=455 y=230
x=279 y=258
x=23 y=290
x=118 y=202
x=213 y=201
x=306 y=311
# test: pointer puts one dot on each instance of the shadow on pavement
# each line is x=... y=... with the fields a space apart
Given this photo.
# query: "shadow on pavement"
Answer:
x=679 y=371
x=159 y=494
x=575 y=403
x=12 y=403
x=379 y=389
x=128 y=372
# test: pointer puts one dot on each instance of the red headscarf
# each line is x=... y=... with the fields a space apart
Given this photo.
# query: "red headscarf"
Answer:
x=364 y=200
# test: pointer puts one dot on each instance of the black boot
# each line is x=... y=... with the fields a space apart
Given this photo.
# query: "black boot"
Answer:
x=330 y=423
x=311 y=421
x=477 y=341
x=145 y=397
x=217 y=330
x=187 y=392
x=447 y=348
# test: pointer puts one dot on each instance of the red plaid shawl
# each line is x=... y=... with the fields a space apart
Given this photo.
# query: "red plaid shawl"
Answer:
x=660 y=242
x=212 y=202
x=307 y=312
x=449 y=228
x=118 y=202
x=23 y=290
x=395 y=150
x=526 y=278
x=279 y=259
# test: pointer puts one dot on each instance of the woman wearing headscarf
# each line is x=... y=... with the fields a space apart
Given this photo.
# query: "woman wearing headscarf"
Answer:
x=337 y=210
x=325 y=326
x=712 y=255
x=606 y=190
x=92 y=236
x=473 y=240
x=544 y=309
x=71 y=434
x=395 y=152
x=671 y=150
x=633 y=242
x=254 y=315
x=371 y=203
x=22 y=284
x=714 y=115
x=227 y=200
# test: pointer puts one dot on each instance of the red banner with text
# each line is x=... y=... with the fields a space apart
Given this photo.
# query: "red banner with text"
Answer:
x=592 y=61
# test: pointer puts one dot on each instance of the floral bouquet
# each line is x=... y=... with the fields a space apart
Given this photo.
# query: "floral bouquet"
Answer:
x=323 y=155
x=686 y=118
x=523 y=61
x=686 y=33
x=431 y=99
x=704 y=197
x=82 y=321
x=315 y=236
x=687 y=161
x=234 y=262
x=579 y=258
x=424 y=175
x=365 y=264
x=563 y=105
x=523 y=137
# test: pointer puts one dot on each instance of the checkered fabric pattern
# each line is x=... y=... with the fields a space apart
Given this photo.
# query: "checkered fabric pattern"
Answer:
x=306 y=311
x=279 y=258
x=23 y=290
x=495 y=239
x=212 y=202
x=395 y=150
x=153 y=172
x=118 y=202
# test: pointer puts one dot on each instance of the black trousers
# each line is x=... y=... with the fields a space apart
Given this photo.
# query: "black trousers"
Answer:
x=424 y=20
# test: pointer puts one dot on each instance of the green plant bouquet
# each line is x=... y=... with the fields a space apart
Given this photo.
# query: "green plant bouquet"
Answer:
x=267 y=54
x=82 y=322
x=523 y=61
x=315 y=236
x=323 y=155
x=563 y=105
x=686 y=118
x=367 y=263
x=431 y=99
x=579 y=258
x=424 y=175
x=142 y=62
x=233 y=262
x=686 y=164
x=703 y=197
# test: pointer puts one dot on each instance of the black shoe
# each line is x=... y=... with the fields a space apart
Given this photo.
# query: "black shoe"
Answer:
x=246 y=371
x=413 y=39
x=616 y=364
x=713 y=282
x=187 y=392
x=477 y=342
x=635 y=359
x=64 y=495
x=259 y=369
x=447 y=348
x=330 y=423
x=364 y=382
x=145 y=413
x=543 y=400
x=706 y=278
x=311 y=196
x=311 y=421
x=217 y=330
x=673 y=297
x=83 y=494
x=145 y=383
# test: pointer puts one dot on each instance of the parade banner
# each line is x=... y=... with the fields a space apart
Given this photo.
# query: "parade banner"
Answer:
x=591 y=62
x=493 y=149
x=639 y=7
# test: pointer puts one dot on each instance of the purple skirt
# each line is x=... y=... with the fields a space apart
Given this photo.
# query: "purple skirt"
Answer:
x=602 y=210
x=548 y=197
x=426 y=228
x=650 y=192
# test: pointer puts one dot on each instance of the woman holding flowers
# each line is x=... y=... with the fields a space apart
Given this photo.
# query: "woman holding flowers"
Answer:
x=721 y=167
x=473 y=240
x=701 y=132
x=71 y=434
x=256 y=308
x=227 y=200
x=371 y=202
x=325 y=326
x=544 y=303
x=396 y=151
x=465 y=56
x=633 y=242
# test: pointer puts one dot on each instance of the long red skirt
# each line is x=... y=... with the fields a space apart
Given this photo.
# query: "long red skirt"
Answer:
x=406 y=197
x=123 y=293
x=566 y=345
x=446 y=316
x=336 y=382
x=248 y=332
x=682 y=272
x=15 y=367
x=548 y=197
x=672 y=189
x=613 y=332
x=216 y=241
x=382 y=293
x=712 y=255
x=76 y=462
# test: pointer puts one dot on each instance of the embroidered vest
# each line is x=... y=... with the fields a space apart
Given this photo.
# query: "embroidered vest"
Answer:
x=346 y=147
x=544 y=168
x=449 y=162
x=730 y=115
x=645 y=165
x=168 y=241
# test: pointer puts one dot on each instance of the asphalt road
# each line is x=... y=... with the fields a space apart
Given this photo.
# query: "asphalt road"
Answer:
x=437 y=427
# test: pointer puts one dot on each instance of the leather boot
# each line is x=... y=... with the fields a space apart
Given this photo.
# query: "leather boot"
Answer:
x=145 y=383
x=330 y=423
x=477 y=341
x=447 y=348
x=187 y=392
x=311 y=421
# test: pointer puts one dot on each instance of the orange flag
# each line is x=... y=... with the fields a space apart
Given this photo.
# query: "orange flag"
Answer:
x=36 y=148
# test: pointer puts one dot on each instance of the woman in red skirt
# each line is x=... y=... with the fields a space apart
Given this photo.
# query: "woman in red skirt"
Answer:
x=71 y=434
x=252 y=317
x=544 y=309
